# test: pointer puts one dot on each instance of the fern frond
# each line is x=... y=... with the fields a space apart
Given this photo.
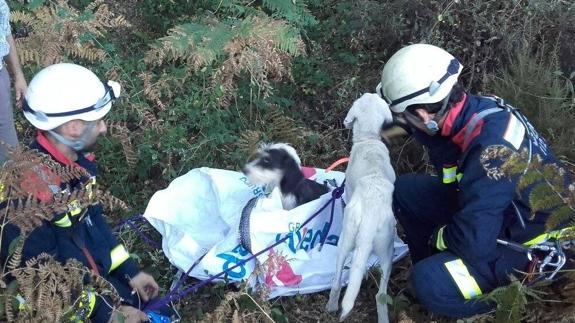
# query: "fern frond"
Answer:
x=528 y=179
x=57 y=31
x=549 y=186
x=248 y=142
x=147 y=118
x=112 y=203
x=121 y=132
x=49 y=287
x=542 y=198
x=196 y=44
x=558 y=217
x=294 y=12
x=511 y=300
x=16 y=257
x=260 y=47
x=283 y=128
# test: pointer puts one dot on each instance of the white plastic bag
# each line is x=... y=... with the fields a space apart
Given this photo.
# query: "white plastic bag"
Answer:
x=199 y=213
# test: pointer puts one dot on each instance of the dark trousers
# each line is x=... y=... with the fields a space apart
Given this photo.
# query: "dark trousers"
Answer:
x=423 y=203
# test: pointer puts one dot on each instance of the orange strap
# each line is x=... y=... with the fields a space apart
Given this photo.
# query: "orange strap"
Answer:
x=337 y=163
x=91 y=261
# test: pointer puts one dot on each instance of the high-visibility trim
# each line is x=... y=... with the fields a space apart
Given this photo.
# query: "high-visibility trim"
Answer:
x=550 y=235
x=64 y=222
x=440 y=244
x=74 y=208
x=118 y=255
x=83 y=312
x=459 y=177
x=515 y=132
x=22 y=305
x=464 y=281
x=449 y=174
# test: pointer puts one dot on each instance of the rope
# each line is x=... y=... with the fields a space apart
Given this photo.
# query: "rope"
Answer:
x=176 y=295
x=130 y=222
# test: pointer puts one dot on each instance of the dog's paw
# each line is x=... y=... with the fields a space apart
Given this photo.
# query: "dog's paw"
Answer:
x=343 y=316
x=345 y=311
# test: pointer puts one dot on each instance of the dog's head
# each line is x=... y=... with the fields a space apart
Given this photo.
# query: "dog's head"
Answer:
x=271 y=163
x=369 y=113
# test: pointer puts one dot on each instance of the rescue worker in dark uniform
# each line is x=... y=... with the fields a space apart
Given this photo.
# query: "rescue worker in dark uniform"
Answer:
x=67 y=104
x=453 y=220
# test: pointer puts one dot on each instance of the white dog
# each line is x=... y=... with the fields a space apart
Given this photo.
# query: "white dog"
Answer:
x=368 y=224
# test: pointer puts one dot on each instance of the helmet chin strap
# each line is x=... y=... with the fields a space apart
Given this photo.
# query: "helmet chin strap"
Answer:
x=77 y=144
x=432 y=126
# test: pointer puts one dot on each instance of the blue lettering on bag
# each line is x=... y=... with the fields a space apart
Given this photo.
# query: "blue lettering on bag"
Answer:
x=256 y=190
x=232 y=260
x=310 y=239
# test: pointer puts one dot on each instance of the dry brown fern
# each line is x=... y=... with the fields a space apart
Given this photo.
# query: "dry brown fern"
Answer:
x=34 y=188
x=159 y=90
x=148 y=119
x=112 y=203
x=274 y=126
x=282 y=128
x=30 y=185
x=248 y=142
x=51 y=290
x=259 y=55
x=122 y=133
x=53 y=36
x=260 y=47
x=152 y=90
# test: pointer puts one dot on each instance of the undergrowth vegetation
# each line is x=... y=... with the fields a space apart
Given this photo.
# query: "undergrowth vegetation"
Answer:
x=203 y=82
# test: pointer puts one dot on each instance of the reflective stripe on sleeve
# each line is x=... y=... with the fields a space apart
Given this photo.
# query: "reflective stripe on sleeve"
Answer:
x=64 y=222
x=74 y=209
x=92 y=300
x=459 y=177
x=440 y=243
x=84 y=307
x=118 y=256
x=464 y=281
x=449 y=174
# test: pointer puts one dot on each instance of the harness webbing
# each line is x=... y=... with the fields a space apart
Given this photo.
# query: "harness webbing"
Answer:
x=475 y=120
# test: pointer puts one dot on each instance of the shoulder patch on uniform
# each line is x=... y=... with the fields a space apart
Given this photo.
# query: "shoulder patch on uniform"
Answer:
x=515 y=132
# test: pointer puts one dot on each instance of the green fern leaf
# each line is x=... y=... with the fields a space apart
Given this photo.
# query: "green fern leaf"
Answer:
x=543 y=197
x=558 y=217
x=528 y=179
x=295 y=12
x=199 y=44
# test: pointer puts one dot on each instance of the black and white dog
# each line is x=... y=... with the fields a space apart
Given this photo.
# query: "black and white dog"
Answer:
x=279 y=165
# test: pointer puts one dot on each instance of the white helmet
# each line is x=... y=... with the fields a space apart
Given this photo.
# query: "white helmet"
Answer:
x=418 y=74
x=63 y=92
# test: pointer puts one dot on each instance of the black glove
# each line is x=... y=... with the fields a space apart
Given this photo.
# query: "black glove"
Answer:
x=391 y=133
